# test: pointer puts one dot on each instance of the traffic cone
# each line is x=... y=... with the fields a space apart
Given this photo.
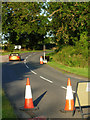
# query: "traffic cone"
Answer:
x=28 y=96
x=69 y=97
x=41 y=60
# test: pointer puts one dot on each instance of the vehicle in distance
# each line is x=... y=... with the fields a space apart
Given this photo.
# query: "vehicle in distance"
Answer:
x=14 y=56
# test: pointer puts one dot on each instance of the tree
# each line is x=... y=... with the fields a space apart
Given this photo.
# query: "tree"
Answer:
x=23 y=19
x=65 y=20
x=69 y=21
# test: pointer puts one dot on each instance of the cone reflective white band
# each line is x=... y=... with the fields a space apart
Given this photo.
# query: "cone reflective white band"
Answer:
x=69 y=94
x=41 y=59
x=28 y=93
x=69 y=97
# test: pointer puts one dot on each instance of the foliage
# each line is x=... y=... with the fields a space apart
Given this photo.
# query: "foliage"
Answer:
x=64 y=68
x=69 y=21
x=28 y=23
x=69 y=57
x=82 y=46
x=23 y=22
x=10 y=47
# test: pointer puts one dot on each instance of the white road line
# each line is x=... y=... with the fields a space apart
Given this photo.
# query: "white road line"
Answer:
x=46 y=79
x=27 y=57
x=42 y=76
x=24 y=61
x=66 y=88
x=33 y=72
x=26 y=66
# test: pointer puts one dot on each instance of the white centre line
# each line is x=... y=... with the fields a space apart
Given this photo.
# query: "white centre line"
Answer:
x=42 y=76
x=27 y=57
x=26 y=66
x=33 y=72
x=46 y=79
x=25 y=61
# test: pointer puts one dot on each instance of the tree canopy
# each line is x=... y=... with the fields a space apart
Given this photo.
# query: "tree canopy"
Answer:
x=27 y=23
x=69 y=21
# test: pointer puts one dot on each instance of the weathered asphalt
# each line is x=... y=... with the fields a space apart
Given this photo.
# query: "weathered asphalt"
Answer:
x=48 y=86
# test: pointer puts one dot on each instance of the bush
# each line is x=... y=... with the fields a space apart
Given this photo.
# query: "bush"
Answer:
x=69 y=57
x=10 y=47
x=4 y=47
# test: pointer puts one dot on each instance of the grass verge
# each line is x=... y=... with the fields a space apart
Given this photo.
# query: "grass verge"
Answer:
x=22 y=51
x=75 y=70
x=78 y=71
x=6 y=53
x=7 y=109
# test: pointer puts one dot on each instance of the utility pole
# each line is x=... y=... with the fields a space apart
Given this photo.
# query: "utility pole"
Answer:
x=44 y=51
x=44 y=61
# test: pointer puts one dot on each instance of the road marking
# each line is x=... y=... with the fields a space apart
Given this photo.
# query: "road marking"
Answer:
x=66 y=88
x=42 y=76
x=26 y=57
x=25 y=63
x=26 y=66
x=33 y=72
x=46 y=79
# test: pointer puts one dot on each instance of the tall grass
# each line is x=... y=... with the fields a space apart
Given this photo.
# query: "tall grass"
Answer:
x=69 y=59
x=69 y=56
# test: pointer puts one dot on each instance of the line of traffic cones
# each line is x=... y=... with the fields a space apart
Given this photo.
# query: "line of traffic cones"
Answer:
x=69 y=105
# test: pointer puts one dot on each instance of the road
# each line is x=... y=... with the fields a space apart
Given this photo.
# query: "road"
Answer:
x=48 y=86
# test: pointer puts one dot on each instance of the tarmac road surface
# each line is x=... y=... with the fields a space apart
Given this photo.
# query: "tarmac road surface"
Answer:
x=48 y=86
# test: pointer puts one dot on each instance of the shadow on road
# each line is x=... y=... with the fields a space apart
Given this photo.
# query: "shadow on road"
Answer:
x=36 y=102
x=16 y=70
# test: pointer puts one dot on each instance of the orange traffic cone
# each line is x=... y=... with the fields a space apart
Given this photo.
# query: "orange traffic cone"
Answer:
x=28 y=96
x=69 y=97
x=41 y=60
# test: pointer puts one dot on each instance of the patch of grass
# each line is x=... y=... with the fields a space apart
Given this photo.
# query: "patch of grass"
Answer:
x=7 y=109
x=56 y=62
x=22 y=51
x=7 y=53
x=75 y=70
